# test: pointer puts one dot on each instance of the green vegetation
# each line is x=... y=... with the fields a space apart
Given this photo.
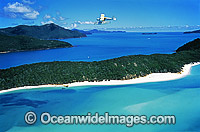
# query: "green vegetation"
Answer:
x=195 y=44
x=48 y=31
x=23 y=43
x=122 y=68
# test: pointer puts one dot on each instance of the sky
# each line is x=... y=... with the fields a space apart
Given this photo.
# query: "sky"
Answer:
x=132 y=15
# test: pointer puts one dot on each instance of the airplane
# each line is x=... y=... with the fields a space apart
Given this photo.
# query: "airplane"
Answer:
x=103 y=20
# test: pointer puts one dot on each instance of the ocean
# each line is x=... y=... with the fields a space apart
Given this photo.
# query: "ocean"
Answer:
x=177 y=97
x=102 y=46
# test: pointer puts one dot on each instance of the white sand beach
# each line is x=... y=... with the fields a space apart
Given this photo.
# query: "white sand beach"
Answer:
x=154 y=77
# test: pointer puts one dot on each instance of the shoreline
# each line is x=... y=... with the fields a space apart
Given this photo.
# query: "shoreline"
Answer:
x=6 y=52
x=153 y=77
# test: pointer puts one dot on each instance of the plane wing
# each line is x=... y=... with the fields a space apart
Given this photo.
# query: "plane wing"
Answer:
x=108 y=18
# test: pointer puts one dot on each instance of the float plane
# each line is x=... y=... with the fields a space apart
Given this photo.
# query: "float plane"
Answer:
x=104 y=20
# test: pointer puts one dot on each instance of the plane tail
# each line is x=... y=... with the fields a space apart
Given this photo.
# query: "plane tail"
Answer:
x=114 y=18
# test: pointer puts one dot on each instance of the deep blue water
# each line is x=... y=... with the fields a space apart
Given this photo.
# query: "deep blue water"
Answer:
x=98 y=47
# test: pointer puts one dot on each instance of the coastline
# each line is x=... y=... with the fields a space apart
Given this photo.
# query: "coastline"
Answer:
x=6 y=52
x=154 y=77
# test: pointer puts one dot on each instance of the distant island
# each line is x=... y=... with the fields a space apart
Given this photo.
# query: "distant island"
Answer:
x=97 y=31
x=148 y=33
x=123 y=68
x=48 y=31
x=25 y=43
x=196 y=31
x=24 y=38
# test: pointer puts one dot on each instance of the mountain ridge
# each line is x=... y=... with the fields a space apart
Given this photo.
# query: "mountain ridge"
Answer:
x=47 y=31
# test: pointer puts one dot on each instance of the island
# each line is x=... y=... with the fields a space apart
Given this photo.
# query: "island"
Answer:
x=25 y=43
x=148 y=33
x=48 y=31
x=196 y=31
x=97 y=31
x=122 y=68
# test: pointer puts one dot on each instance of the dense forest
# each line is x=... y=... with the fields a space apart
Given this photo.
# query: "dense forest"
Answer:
x=127 y=67
x=24 y=43
x=48 y=31
x=195 y=44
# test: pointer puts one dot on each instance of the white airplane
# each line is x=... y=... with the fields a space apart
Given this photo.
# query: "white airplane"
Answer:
x=103 y=20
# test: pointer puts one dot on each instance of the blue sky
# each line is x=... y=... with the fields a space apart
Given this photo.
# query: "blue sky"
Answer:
x=81 y=14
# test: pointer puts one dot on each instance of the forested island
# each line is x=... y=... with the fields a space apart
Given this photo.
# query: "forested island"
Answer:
x=48 y=31
x=97 y=31
x=148 y=33
x=24 y=38
x=123 y=68
x=25 y=43
x=196 y=31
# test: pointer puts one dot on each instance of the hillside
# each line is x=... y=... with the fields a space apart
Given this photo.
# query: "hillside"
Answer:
x=24 y=43
x=123 y=68
x=48 y=31
x=196 y=31
x=195 y=44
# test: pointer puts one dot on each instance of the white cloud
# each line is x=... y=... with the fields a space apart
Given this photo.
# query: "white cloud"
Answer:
x=31 y=15
x=54 y=18
x=18 y=10
x=27 y=2
x=85 y=22
x=48 y=22
x=47 y=16
x=73 y=25
x=61 y=18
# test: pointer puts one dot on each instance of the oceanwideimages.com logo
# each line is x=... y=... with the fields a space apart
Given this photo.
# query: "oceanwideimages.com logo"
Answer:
x=128 y=120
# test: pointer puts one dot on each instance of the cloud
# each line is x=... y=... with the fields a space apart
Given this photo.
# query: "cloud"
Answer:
x=47 y=16
x=18 y=10
x=54 y=18
x=73 y=25
x=61 y=18
x=31 y=15
x=28 y=2
x=85 y=22
x=48 y=22
x=77 y=23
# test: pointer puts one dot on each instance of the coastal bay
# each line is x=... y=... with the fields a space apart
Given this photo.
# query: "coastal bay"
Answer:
x=123 y=68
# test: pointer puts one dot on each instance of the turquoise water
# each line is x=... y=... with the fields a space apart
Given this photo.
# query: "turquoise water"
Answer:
x=177 y=97
x=98 y=47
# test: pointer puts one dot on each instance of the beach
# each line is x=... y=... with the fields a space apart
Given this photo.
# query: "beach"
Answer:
x=154 y=77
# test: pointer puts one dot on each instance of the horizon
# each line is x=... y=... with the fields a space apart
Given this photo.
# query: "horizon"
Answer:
x=132 y=15
x=129 y=29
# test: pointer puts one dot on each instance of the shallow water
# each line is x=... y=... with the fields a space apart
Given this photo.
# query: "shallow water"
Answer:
x=101 y=46
x=177 y=97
